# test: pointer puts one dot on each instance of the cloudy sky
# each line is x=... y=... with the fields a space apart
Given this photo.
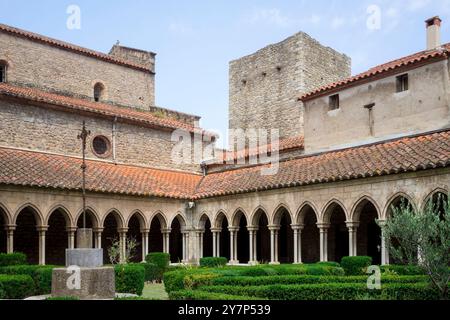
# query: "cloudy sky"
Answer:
x=196 y=39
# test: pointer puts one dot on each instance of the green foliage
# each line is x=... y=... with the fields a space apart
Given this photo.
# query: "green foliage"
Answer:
x=115 y=249
x=41 y=275
x=12 y=259
x=156 y=264
x=213 y=262
x=63 y=298
x=203 y=295
x=2 y=292
x=130 y=278
x=425 y=233
x=329 y=291
x=328 y=263
x=403 y=270
x=354 y=266
x=17 y=286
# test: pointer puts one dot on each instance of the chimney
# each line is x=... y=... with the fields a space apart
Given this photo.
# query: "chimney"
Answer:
x=433 y=33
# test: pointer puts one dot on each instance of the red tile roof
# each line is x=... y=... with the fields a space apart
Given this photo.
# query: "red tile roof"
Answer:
x=26 y=168
x=71 y=47
x=419 y=58
x=403 y=155
x=33 y=169
x=101 y=109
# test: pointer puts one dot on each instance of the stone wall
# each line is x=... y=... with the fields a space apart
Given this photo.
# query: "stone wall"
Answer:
x=41 y=129
x=264 y=86
x=54 y=69
x=424 y=107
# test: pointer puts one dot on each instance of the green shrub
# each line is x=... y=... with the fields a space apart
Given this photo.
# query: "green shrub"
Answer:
x=355 y=265
x=403 y=270
x=203 y=295
x=213 y=262
x=17 y=286
x=12 y=259
x=328 y=264
x=63 y=298
x=41 y=275
x=329 y=291
x=2 y=292
x=156 y=264
x=130 y=278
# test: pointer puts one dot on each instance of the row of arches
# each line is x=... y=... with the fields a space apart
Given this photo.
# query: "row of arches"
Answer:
x=308 y=237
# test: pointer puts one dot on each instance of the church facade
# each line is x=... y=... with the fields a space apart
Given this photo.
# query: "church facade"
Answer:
x=351 y=148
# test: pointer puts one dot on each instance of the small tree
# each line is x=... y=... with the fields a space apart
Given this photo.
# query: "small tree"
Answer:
x=114 y=250
x=422 y=238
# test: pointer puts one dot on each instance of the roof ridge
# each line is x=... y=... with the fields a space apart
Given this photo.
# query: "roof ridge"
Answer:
x=72 y=47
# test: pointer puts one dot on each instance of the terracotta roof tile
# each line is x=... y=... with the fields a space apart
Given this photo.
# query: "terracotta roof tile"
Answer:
x=33 y=169
x=70 y=47
x=420 y=57
x=102 y=109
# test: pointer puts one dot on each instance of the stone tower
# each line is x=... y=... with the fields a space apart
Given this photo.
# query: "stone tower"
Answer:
x=265 y=86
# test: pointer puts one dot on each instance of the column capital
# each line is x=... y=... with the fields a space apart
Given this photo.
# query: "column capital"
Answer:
x=42 y=228
x=122 y=230
x=381 y=223
x=252 y=228
x=10 y=227
x=145 y=231
x=216 y=230
x=71 y=229
x=323 y=226
x=233 y=229
x=297 y=226
x=98 y=230
x=352 y=224
x=274 y=227
x=166 y=231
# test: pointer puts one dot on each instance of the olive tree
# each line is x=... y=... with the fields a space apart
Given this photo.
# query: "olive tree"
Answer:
x=422 y=238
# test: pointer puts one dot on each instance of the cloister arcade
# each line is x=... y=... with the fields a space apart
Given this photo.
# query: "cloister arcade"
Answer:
x=304 y=234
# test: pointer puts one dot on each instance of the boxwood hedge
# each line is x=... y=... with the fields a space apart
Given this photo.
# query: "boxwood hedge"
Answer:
x=12 y=259
x=16 y=286
x=130 y=278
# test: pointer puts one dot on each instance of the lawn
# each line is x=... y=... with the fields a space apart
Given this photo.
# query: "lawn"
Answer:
x=155 y=291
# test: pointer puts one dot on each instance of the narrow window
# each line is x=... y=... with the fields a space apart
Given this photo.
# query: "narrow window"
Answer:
x=2 y=72
x=334 y=102
x=98 y=91
x=402 y=83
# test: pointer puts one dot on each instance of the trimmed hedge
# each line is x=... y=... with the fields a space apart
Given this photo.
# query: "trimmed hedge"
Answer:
x=404 y=270
x=354 y=266
x=41 y=275
x=156 y=264
x=213 y=262
x=12 y=259
x=17 y=286
x=329 y=291
x=130 y=278
x=203 y=295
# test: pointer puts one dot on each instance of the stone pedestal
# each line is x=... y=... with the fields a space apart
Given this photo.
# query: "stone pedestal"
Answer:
x=84 y=238
x=84 y=283
x=84 y=258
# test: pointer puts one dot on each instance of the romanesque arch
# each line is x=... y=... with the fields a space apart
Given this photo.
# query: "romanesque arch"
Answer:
x=136 y=224
x=206 y=238
x=4 y=221
x=26 y=235
x=261 y=221
x=158 y=223
x=243 y=238
x=338 y=240
x=365 y=215
x=282 y=220
x=177 y=240
x=221 y=223
x=57 y=242
x=112 y=223
x=310 y=235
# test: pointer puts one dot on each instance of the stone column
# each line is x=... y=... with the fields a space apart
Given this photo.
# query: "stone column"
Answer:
x=185 y=240
x=274 y=244
x=384 y=247
x=233 y=245
x=10 y=238
x=297 y=243
x=352 y=238
x=144 y=233
x=200 y=235
x=42 y=230
x=166 y=240
x=71 y=237
x=323 y=228
x=216 y=241
x=98 y=237
x=123 y=244
x=252 y=234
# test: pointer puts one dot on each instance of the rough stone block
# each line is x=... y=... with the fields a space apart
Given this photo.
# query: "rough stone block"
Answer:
x=94 y=283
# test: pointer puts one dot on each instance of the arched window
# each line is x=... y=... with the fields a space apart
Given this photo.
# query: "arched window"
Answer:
x=3 y=69
x=99 y=90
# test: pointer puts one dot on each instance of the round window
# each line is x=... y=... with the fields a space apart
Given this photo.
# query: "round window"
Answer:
x=101 y=146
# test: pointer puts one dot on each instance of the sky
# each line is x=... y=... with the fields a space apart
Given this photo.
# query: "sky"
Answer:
x=194 y=40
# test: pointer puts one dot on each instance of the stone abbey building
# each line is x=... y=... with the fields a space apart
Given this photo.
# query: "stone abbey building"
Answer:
x=351 y=148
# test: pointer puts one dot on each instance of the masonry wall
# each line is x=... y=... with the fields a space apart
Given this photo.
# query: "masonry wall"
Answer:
x=49 y=68
x=424 y=107
x=36 y=128
x=264 y=86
